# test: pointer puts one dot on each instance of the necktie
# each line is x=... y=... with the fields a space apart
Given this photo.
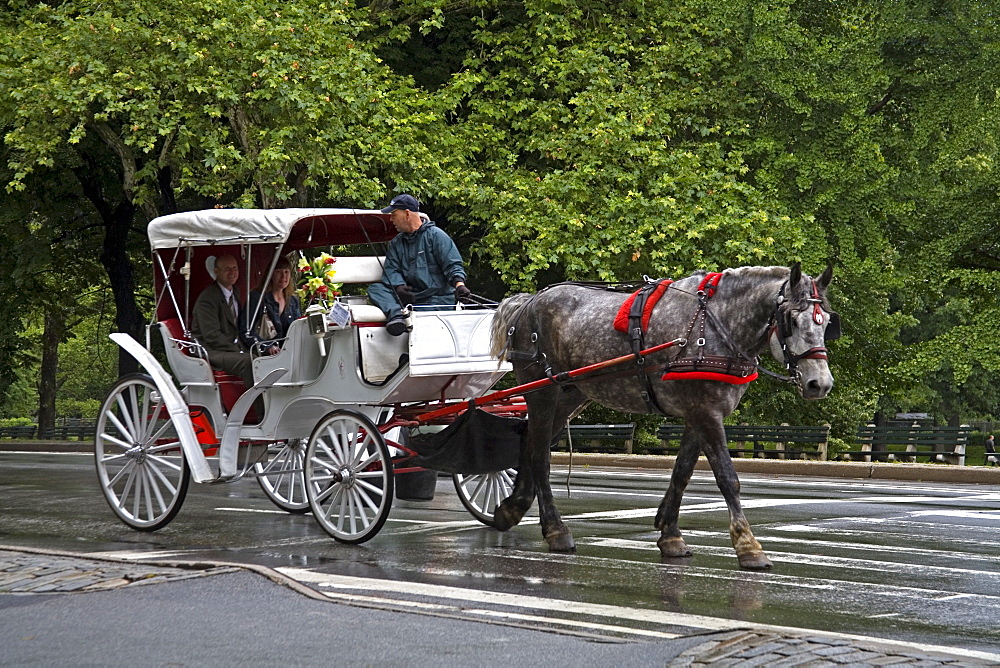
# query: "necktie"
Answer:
x=232 y=305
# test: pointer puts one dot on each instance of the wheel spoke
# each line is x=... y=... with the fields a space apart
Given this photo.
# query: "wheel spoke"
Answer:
x=137 y=492
x=362 y=447
x=127 y=424
x=127 y=467
x=339 y=500
x=352 y=514
x=113 y=440
x=172 y=444
x=481 y=482
x=146 y=419
x=366 y=498
x=151 y=483
x=163 y=461
x=122 y=428
x=154 y=470
x=110 y=459
x=128 y=485
x=326 y=492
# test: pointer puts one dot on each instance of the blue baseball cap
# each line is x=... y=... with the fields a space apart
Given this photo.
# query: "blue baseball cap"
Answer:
x=404 y=201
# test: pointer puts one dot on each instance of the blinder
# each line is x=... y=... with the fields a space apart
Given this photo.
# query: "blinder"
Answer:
x=786 y=324
x=832 y=328
x=832 y=332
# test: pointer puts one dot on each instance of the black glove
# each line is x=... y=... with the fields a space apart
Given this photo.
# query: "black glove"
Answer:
x=405 y=294
x=462 y=293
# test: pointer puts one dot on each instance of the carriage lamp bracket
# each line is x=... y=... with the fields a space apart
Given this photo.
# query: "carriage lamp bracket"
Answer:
x=318 y=326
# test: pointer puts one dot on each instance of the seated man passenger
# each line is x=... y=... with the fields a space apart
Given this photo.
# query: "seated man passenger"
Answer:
x=422 y=266
x=215 y=322
x=279 y=309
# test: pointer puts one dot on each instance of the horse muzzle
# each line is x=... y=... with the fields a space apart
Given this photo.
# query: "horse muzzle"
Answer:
x=813 y=378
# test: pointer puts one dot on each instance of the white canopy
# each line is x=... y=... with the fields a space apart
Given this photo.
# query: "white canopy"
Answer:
x=236 y=226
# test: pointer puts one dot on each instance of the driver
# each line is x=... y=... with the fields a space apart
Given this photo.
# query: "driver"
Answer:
x=422 y=265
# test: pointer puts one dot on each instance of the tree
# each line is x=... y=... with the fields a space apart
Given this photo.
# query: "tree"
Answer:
x=196 y=104
x=579 y=139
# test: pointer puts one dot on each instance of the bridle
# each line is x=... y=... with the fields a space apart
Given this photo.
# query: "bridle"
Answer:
x=780 y=324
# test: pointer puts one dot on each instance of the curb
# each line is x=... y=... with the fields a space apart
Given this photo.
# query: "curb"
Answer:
x=882 y=471
x=210 y=567
x=46 y=446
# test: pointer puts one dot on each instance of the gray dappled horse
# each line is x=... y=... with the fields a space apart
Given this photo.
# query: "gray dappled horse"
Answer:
x=568 y=326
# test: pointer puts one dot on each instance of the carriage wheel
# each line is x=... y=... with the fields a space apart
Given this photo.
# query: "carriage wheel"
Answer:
x=281 y=475
x=348 y=476
x=481 y=494
x=141 y=468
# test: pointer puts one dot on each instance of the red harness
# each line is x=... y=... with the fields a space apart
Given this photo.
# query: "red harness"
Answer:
x=710 y=367
x=621 y=319
x=705 y=367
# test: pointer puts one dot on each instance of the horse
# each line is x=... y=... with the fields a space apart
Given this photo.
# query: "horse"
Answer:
x=718 y=322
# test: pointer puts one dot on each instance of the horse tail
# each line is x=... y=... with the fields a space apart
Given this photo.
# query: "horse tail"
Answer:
x=505 y=318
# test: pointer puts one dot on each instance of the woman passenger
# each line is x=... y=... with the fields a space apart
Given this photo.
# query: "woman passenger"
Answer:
x=280 y=308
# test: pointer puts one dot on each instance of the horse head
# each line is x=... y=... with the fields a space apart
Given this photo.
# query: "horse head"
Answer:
x=800 y=327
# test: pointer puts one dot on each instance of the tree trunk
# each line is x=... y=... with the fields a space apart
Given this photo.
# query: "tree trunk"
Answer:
x=121 y=275
x=118 y=214
x=48 y=382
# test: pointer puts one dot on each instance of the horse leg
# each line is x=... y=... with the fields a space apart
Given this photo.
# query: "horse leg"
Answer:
x=749 y=552
x=554 y=530
x=541 y=406
x=512 y=509
x=671 y=543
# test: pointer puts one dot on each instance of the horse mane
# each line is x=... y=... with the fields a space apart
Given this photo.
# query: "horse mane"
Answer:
x=756 y=272
x=506 y=316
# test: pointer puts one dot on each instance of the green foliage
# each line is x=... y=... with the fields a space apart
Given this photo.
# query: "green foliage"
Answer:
x=255 y=104
x=579 y=139
x=608 y=145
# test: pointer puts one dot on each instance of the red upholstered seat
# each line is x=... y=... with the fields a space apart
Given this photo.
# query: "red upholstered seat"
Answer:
x=231 y=388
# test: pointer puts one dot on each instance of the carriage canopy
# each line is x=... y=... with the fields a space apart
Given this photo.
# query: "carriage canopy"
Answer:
x=295 y=228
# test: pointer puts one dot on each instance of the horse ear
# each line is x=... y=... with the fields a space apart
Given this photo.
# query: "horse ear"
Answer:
x=795 y=276
x=824 y=279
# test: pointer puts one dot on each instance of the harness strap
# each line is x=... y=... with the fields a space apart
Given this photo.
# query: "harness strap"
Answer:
x=710 y=283
x=732 y=370
x=638 y=320
x=638 y=314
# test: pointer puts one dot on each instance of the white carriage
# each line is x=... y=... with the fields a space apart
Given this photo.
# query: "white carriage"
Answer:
x=339 y=398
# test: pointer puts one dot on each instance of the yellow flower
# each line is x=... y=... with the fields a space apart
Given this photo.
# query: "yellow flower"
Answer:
x=316 y=278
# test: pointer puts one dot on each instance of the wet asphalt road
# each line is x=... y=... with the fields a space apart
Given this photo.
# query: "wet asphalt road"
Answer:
x=898 y=560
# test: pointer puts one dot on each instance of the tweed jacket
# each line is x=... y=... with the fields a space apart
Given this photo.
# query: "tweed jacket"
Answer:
x=213 y=324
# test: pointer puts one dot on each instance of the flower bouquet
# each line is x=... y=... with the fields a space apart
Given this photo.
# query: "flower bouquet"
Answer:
x=315 y=284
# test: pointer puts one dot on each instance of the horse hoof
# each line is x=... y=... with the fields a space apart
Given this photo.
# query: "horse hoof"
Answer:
x=755 y=561
x=673 y=547
x=561 y=542
x=502 y=520
x=506 y=516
